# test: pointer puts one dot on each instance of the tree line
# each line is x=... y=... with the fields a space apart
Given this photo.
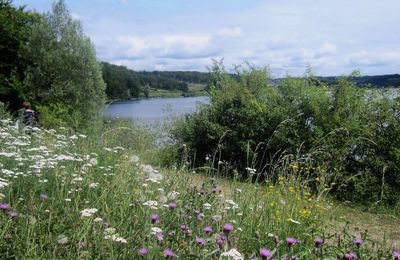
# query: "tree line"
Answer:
x=123 y=83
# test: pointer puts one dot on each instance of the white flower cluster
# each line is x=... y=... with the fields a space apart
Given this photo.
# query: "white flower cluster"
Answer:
x=88 y=212
x=234 y=253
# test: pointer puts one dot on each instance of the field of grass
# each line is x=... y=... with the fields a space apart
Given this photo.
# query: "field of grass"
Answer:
x=73 y=195
x=194 y=90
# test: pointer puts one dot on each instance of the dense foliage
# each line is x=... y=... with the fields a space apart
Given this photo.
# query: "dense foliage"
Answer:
x=64 y=69
x=121 y=83
x=47 y=59
x=251 y=127
x=14 y=31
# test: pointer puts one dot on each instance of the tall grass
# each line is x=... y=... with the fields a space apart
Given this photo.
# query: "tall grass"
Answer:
x=71 y=195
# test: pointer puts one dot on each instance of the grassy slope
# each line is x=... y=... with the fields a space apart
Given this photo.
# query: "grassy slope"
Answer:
x=79 y=174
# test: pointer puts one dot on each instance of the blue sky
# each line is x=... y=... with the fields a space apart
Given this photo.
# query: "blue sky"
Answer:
x=334 y=37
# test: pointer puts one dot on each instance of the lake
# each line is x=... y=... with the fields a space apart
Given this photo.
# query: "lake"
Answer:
x=155 y=110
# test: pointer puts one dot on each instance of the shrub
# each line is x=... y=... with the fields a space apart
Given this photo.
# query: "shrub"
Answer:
x=250 y=124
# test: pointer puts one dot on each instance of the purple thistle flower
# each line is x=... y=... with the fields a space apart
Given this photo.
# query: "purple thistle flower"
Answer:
x=5 y=206
x=220 y=241
x=396 y=255
x=155 y=218
x=169 y=253
x=215 y=189
x=291 y=241
x=143 y=251
x=43 y=197
x=172 y=205
x=13 y=214
x=350 y=256
x=207 y=230
x=318 y=241
x=228 y=228
x=200 y=241
x=358 y=242
x=265 y=253
x=160 y=236
x=184 y=228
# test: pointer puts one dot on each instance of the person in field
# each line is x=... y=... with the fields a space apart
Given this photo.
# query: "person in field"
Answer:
x=30 y=117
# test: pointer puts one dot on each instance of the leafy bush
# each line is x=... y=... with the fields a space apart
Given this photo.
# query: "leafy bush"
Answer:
x=352 y=133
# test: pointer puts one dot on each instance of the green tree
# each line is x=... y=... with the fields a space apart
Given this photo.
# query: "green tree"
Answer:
x=14 y=26
x=64 y=68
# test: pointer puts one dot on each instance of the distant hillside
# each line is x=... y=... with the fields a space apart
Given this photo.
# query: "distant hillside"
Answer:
x=378 y=81
x=123 y=83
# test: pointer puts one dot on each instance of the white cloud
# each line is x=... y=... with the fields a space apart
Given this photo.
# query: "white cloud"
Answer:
x=367 y=58
x=230 y=32
x=327 y=49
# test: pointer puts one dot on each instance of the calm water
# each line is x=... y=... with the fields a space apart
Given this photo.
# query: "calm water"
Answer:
x=154 y=110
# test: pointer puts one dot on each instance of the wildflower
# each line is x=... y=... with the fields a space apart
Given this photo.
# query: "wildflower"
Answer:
x=207 y=230
x=93 y=161
x=172 y=205
x=350 y=256
x=291 y=241
x=318 y=241
x=62 y=239
x=93 y=185
x=265 y=253
x=13 y=214
x=159 y=236
x=207 y=205
x=155 y=219
x=220 y=241
x=215 y=189
x=184 y=228
x=143 y=251
x=396 y=255
x=155 y=230
x=169 y=253
x=358 y=242
x=43 y=197
x=98 y=220
x=88 y=212
x=228 y=228
x=200 y=241
x=118 y=239
x=151 y=203
x=5 y=206
x=236 y=255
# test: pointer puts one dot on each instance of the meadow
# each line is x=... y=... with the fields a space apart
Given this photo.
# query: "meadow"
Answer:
x=70 y=195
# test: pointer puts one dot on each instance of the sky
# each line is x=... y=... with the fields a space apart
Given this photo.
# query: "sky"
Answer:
x=334 y=37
